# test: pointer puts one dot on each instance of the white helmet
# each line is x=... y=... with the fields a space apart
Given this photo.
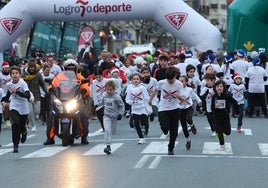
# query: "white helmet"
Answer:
x=70 y=64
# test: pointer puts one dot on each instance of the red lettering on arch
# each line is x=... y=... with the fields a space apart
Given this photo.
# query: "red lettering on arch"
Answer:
x=176 y=19
x=10 y=24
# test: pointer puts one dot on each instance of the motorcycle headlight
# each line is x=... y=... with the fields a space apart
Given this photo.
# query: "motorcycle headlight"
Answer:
x=58 y=104
x=71 y=105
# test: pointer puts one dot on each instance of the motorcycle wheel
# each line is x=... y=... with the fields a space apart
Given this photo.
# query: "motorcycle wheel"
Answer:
x=65 y=134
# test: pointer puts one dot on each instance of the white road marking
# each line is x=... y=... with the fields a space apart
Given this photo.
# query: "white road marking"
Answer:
x=264 y=148
x=142 y=161
x=96 y=133
x=157 y=147
x=28 y=137
x=98 y=149
x=247 y=132
x=167 y=136
x=45 y=152
x=213 y=148
x=4 y=151
x=155 y=162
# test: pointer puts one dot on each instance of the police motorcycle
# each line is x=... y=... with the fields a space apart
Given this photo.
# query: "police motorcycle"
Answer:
x=66 y=101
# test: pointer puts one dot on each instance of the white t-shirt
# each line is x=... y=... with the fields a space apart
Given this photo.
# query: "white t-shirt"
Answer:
x=151 y=86
x=167 y=101
x=256 y=82
x=18 y=103
x=237 y=92
x=97 y=89
x=137 y=96
x=240 y=66
x=189 y=95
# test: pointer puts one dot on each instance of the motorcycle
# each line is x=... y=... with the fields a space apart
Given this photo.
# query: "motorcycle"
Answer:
x=66 y=100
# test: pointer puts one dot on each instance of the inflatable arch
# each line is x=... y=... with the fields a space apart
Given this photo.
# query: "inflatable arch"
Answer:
x=174 y=15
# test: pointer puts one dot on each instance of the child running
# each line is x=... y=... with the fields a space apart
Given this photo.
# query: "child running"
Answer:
x=169 y=106
x=238 y=89
x=18 y=94
x=137 y=96
x=206 y=94
x=187 y=110
x=97 y=89
x=113 y=110
x=220 y=107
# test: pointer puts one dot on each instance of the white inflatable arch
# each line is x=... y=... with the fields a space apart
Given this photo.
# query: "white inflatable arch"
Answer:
x=174 y=15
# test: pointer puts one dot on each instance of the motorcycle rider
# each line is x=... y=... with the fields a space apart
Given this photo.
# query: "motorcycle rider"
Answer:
x=70 y=65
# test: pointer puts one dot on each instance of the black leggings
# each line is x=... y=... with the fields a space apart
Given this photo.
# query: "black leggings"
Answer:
x=169 y=121
x=140 y=120
x=223 y=126
x=18 y=126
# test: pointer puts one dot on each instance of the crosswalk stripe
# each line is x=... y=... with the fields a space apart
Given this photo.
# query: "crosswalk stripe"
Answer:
x=98 y=149
x=45 y=152
x=264 y=148
x=157 y=147
x=213 y=148
x=4 y=151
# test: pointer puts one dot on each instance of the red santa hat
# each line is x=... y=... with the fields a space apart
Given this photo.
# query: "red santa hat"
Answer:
x=237 y=75
x=114 y=70
x=5 y=64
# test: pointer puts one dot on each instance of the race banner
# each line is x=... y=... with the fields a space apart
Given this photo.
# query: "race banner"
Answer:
x=85 y=36
x=70 y=38
x=55 y=38
x=39 y=38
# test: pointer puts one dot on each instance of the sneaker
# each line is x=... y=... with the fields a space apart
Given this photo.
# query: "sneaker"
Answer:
x=23 y=137
x=170 y=152
x=188 y=145
x=141 y=141
x=152 y=117
x=222 y=147
x=239 y=130
x=127 y=115
x=84 y=140
x=193 y=129
x=145 y=133
x=6 y=124
x=94 y=118
x=107 y=150
x=50 y=141
x=16 y=149
x=33 y=129
x=189 y=128
x=213 y=133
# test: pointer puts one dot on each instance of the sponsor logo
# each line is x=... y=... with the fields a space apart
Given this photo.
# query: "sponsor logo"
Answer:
x=87 y=35
x=83 y=7
x=176 y=19
x=249 y=45
x=10 y=24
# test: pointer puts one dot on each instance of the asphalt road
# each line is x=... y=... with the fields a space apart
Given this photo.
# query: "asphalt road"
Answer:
x=244 y=163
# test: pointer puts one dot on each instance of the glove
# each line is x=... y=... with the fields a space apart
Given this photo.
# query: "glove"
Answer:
x=119 y=117
x=83 y=91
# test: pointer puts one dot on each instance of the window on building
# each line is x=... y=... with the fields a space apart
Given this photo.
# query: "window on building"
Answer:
x=214 y=6
x=223 y=6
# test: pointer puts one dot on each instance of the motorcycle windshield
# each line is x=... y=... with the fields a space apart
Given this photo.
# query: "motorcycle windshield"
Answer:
x=68 y=87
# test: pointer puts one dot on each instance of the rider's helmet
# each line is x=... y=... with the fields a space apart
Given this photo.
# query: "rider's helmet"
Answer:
x=71 y=64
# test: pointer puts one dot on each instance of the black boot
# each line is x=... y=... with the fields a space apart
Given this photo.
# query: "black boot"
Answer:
x=84 y=140
x=107 y=150
x=49 y=141
x=16 y=149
